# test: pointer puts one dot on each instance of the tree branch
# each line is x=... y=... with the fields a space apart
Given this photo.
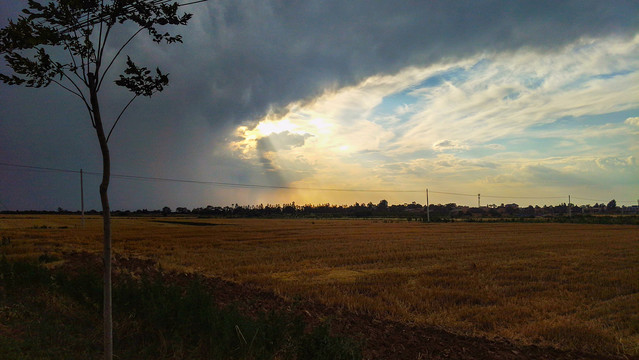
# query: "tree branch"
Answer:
x=78 y=94
x=84 y=69
x=99 y=52
x=119 y=116
x=75 y=65
x=100 y=55
x=116 y=55
x=86 y=104
x=81 y=95
x=67 y=89
x=88 y=23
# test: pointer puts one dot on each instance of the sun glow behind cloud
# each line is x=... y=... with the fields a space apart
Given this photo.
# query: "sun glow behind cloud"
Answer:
x=512 y=124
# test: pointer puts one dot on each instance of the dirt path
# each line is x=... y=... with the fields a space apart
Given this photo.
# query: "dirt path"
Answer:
x=383 y=339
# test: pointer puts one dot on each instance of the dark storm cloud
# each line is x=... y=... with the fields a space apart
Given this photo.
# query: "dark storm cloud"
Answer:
x=257 y=55
x=281 y=141
x=268 y=146
x=241 y=59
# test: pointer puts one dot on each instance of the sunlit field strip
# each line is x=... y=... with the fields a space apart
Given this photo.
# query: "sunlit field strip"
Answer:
x=570 y=286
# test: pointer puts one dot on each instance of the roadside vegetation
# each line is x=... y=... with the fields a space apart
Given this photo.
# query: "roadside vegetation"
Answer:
x=55 y=314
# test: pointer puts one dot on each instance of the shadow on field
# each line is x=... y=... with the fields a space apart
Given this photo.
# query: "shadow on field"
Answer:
x=190 y=223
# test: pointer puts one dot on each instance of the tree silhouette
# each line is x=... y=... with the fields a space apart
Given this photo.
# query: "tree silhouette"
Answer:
x=63 y=42
x=383 y=205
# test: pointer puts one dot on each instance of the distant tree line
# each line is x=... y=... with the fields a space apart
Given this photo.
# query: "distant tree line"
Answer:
x=409 y=211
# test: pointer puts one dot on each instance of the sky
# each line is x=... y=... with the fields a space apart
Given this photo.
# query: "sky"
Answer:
x=339 y=102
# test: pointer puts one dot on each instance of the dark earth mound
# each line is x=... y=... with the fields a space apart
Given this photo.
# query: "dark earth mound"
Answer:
x=382 y=339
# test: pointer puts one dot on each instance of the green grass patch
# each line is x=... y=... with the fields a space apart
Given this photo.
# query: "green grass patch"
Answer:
x=48 y=314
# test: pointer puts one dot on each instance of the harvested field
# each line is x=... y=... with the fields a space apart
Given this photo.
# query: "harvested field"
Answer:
x=573 y=287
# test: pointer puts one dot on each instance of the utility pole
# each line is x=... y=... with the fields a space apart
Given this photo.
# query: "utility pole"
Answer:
x=82 y=195
x=569 y=207
x=427 y=207
x=478 y=200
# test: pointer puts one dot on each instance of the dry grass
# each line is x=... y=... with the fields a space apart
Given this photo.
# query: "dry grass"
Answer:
x=570 y=286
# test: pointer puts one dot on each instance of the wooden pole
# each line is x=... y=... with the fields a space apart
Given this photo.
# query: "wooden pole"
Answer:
x=82 y=195
x=427 y=207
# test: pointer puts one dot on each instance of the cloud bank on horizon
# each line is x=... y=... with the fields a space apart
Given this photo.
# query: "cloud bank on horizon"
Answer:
x=512 y=98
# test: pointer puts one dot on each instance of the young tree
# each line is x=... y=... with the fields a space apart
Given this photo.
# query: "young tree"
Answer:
x=63 y=42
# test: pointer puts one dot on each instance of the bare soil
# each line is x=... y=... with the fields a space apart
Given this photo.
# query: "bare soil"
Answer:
x=382 y=339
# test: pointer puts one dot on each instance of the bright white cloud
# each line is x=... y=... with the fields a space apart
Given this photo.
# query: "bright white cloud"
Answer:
x=507 y=94
x=340 y=120
x=504 y=119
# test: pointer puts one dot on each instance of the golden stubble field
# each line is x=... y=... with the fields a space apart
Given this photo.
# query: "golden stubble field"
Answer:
x=566 y=285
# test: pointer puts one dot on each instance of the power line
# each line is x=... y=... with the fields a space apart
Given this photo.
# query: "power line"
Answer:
x=580 y=198
x=100 y=18
x=192 y=2
x=522 y=197
x=217 y=183
x=500 y=196
x=241 y=185
x=279 y=187
x=451 y=193
x=39 y=168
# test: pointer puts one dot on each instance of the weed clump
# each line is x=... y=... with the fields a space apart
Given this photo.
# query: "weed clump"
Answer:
x=21 y=274
x=156 y=320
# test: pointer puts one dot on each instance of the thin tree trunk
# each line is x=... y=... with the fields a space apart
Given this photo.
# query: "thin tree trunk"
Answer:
x=106 y=218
